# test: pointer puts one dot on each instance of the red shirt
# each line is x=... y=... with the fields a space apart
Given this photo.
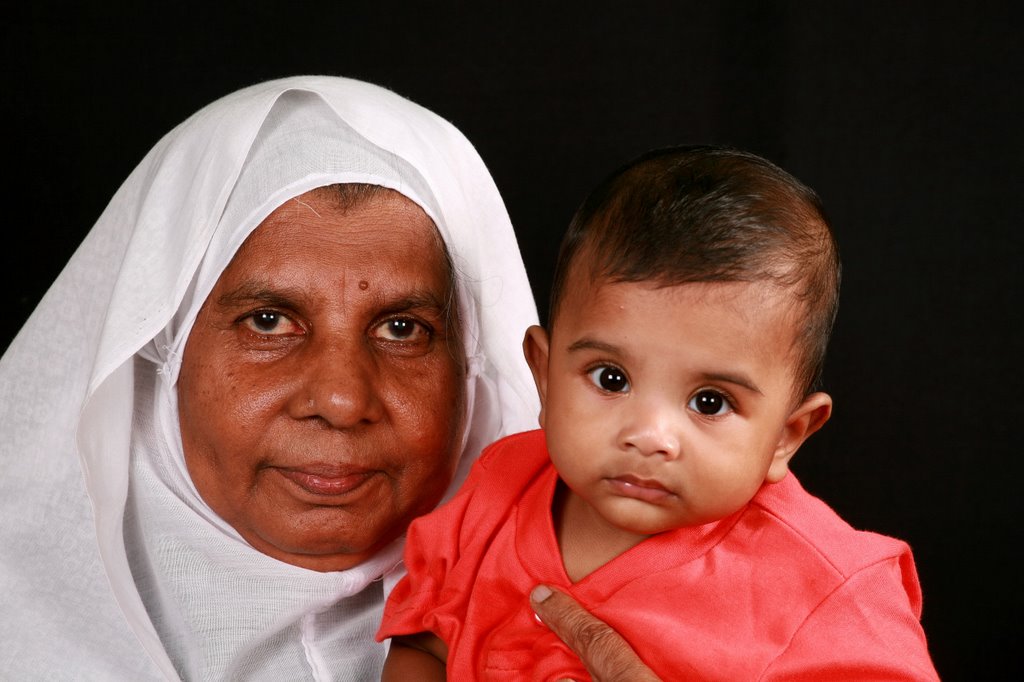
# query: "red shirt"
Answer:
x=782 y=589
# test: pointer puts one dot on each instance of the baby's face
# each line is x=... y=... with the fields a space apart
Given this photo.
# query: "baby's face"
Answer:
x=668 y=407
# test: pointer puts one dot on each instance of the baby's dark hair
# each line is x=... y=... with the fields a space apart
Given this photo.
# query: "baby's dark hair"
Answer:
x=710 y=214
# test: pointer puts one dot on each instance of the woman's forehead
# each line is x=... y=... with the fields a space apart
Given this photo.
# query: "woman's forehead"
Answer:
x=360 y=216
x=382 y=239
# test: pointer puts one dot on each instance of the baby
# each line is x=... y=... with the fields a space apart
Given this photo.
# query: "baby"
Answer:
x=691 y=308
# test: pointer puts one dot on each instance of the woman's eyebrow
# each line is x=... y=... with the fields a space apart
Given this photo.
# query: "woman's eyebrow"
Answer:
x=412 y=301
x=249 y=293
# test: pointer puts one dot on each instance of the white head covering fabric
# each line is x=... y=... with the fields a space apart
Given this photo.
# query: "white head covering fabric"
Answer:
x=111 y=565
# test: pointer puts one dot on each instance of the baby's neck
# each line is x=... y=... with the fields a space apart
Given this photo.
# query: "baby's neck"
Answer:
x=586 y=540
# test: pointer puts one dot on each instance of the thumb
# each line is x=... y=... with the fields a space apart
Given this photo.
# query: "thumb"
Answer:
x=605 y=654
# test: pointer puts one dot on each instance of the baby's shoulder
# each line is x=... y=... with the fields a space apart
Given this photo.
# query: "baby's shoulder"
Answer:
x=516 y=454
x=506 y=468
x=805 y=525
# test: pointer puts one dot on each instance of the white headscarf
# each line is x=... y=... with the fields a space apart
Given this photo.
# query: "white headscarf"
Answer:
x=111 y=565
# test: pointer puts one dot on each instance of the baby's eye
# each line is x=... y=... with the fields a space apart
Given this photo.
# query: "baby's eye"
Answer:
x=404 y=329
x=609 y=378
x=271 y=323
x=710 y=403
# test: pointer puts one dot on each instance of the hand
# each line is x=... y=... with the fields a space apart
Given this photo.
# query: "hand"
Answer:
x=606 y=655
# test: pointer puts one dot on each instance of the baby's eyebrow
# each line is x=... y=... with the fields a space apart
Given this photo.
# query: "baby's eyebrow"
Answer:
x=593 y=344
x=735 y=379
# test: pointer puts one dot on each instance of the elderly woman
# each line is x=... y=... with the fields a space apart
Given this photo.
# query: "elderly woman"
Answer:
x=293 y=326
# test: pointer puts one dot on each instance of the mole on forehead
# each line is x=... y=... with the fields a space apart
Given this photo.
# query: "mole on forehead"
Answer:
x=363 y=284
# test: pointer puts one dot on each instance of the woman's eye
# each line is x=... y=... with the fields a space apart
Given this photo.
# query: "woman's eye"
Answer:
x=402 y=329
x=710 y=403
x=271 y=323
x=609 y=378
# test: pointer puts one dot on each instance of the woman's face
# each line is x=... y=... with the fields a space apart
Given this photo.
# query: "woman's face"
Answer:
x=321 y=393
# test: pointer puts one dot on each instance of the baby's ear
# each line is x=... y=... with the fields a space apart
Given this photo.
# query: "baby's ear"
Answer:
x=808 y=417
x=536 y=349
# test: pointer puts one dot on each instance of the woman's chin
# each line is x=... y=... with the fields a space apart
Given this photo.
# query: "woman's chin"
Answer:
x=318 y=553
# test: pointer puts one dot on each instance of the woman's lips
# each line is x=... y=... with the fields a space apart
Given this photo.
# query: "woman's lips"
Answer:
x=639 y=488
x=325 y=481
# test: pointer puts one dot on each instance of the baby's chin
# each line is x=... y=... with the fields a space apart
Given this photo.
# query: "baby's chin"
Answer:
x=640 y=517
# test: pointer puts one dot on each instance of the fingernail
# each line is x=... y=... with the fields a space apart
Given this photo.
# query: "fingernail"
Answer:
x=540 y=593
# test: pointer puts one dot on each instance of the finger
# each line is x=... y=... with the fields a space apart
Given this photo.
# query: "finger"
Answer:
x=606 y=655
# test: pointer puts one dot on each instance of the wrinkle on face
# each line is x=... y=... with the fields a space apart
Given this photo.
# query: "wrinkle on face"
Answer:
x=321 y=386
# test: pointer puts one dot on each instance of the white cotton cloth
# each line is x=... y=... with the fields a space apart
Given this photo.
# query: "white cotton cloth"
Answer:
x=111 y=565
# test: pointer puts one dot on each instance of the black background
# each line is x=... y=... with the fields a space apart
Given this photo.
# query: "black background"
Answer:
x=905 y=117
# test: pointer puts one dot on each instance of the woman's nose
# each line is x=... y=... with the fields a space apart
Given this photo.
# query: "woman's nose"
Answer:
x=652 y=430
x=339 y=384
